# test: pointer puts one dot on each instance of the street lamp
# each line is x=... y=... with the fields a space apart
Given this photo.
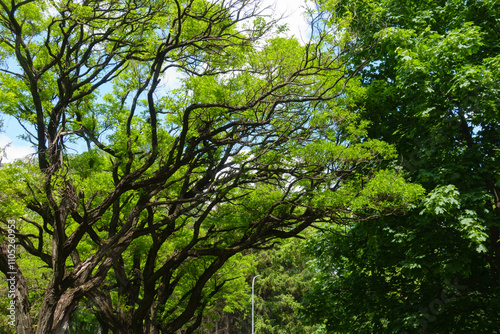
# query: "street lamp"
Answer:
x=253 y=325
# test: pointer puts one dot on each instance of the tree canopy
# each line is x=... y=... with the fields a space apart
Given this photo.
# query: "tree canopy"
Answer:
x=141 y=230
x=433 y=93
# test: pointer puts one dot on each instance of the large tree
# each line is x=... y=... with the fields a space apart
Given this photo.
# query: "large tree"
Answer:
x=140 y=227
x=433 y=93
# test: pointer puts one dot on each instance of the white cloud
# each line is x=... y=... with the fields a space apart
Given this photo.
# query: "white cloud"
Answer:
x=13 y=152
x=170 y=80
x=293 y=15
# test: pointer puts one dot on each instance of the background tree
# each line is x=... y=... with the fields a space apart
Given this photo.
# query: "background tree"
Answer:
x=433 y=93
x=285 y=277
x=141 y=229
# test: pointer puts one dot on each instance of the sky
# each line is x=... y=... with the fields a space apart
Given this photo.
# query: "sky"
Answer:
x=294 y=16
x=16 y=148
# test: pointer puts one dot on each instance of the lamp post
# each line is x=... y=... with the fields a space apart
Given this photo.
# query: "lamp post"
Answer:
x=253 y=325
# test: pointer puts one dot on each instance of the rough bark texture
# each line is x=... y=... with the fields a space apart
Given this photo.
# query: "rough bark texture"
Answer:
x=22 y=307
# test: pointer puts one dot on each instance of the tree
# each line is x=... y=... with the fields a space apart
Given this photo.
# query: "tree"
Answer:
x=285 y=277
x=433 y=93
x=139 y=230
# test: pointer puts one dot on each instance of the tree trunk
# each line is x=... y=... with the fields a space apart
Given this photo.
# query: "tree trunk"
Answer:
x=24 y=323
x=16 y=280
x=56 y=311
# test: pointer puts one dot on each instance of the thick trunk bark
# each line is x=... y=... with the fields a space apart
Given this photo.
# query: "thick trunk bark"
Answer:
x=47 y=311
x=56 y=311
x=24 y=323
x=20 y=317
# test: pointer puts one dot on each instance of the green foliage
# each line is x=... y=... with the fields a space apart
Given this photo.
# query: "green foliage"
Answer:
x=383 y=276
x=433 y=94
x=279 y=291
x=20 y=183
x=387 y=190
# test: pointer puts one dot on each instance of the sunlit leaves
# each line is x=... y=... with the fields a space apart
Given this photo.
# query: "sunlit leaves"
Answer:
x=14 y=180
